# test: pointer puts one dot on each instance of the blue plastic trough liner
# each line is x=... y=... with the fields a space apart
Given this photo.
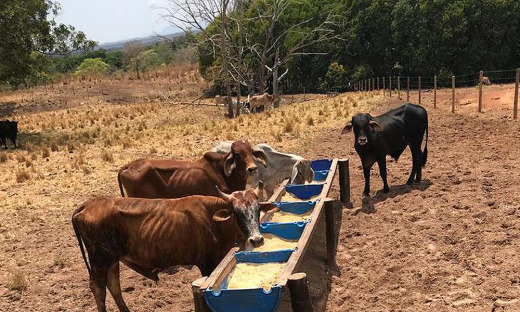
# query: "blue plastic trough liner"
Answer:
x=248 y=300
x=304 y=191
x=292 y=231
x=321 y=164
x=296 y=207
x=320 y=175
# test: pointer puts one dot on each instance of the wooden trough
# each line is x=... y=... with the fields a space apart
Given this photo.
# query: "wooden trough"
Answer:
x=291 y=287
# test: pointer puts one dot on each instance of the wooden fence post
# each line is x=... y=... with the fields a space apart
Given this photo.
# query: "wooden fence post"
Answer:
x=390 y=85
x=435 y=91
x=332 y=211
x=480 y=76
x=198 y=299
x=408 y=89
x=384 y=87
x=344 y=181
x=453 y=94
x=299 y=292
x=399 y=87
x=377 y=83
x=419 y=90
x=373 y=84
x=515 y=105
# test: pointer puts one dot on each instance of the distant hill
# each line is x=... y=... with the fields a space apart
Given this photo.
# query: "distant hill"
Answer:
x=118 y=45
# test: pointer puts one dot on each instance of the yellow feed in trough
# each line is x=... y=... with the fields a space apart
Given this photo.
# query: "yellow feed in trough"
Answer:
x=288 y=197
x=273 y=242
x=255 y=275
x=282 y=216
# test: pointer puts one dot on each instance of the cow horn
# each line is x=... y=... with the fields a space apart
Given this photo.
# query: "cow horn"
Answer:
x=224 y=196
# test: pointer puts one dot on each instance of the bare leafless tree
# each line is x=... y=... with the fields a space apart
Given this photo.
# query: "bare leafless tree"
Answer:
x=238 y=38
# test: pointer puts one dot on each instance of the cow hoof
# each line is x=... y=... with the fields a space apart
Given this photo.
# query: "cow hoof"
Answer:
x=366 y=194
x=409 y=182
x=386 y=190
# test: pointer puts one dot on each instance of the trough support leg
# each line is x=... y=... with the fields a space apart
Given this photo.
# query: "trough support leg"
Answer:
x=344 y=182
x=332 y=211
x=299 y=291
x=198 y=298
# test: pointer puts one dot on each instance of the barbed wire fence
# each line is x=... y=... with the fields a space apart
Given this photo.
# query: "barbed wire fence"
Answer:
x=402 y=85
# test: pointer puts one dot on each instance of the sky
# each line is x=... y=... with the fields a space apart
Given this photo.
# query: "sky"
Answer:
x=113 y=20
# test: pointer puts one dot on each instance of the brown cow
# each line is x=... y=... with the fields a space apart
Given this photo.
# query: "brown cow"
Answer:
x=150 y=235
x=265 y=100
x=156 y=178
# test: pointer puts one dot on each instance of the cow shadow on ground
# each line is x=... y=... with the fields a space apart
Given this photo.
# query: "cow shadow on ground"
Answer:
x=368 y=202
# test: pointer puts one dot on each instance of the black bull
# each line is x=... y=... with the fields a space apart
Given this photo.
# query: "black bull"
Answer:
x=389 y=134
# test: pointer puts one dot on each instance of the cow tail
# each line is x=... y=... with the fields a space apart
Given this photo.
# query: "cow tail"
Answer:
x=121 y=188
x=425 y=152
x=80 y=240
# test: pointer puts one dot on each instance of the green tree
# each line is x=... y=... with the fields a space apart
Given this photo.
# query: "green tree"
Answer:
x=28 y=26
x=335 y=76
x=92 y=68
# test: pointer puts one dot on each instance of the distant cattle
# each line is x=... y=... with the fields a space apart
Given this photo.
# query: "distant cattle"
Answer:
x=164 y=178
x=261 y=102
x=390 y=134
x=8 y=130
x=486 y=81
x=150 y=235
x=220 y=100
x=280 y=166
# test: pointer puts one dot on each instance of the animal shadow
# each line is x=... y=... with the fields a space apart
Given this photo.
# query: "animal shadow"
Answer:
x=368 y=202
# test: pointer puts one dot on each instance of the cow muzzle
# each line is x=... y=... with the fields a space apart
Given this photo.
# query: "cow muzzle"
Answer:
x=362 y=140
x=256 y=241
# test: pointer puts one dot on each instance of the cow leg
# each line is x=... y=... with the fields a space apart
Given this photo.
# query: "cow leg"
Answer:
x=382 y=171
x=416 y=162
x=366 y=173
x=98 y=285
x=115 y=287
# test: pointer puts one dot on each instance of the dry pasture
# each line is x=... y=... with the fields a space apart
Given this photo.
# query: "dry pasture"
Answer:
x=449 y=244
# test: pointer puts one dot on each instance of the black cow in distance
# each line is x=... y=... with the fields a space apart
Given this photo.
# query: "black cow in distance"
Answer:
x=390 y=134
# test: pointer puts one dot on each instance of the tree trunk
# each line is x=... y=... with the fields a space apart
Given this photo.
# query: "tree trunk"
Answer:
x=275 y=82
x=224 y=57
x=237 y=113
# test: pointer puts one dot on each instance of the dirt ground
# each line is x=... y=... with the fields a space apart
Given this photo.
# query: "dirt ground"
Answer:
x=448 y=244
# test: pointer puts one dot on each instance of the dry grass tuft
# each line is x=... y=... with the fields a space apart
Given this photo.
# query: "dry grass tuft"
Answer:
x=59 y=260
x=45 y=152
x=107 y=156
x=22 y=176
x=310 y=121
x=289 y=126
x=17 y=282
x=3 y=157
x=54 y=147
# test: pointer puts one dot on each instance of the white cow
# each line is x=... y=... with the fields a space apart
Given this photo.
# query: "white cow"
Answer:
x=280 y=166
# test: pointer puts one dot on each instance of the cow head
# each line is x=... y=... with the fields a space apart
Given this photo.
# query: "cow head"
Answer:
x=242 y=157
x=364 y=127
x=246 y=211
x=302 y=172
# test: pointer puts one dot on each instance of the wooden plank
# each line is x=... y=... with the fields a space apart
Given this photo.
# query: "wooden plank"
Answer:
x=296 y=257
x=221 y=271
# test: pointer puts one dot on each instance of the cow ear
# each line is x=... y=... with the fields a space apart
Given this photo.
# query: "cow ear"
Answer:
x=268 y=207
x=229 y=165
x=260 y=157
x=375 y=125
x=347 y=128
x=222 y=215
x=310 y=172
